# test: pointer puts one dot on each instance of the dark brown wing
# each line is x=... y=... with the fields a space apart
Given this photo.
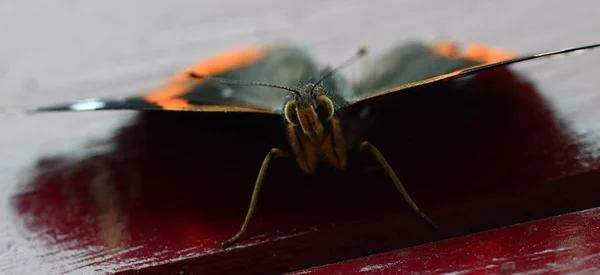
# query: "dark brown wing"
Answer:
x=406 y=63
x=473 y=70
x=281 y=64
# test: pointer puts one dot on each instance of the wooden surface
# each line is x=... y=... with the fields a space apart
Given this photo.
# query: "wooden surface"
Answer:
x=567 y=244
x=60 y=50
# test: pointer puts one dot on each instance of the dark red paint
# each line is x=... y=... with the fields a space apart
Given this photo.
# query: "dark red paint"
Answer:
x=176 y=185
x=568 y=244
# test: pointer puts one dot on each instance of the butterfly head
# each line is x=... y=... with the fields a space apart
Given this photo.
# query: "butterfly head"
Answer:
x=310 y=110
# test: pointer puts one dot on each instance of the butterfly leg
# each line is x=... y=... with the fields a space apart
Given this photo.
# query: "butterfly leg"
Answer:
x=365 y=145
x=275 y=152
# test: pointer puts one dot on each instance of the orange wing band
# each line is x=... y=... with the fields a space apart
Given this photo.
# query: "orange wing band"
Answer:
x=178 y=84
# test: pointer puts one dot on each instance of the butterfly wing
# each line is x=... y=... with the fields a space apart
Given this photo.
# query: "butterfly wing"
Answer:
x=281 y=64
x=375 y=109
x=369 y=93
x=407 y=63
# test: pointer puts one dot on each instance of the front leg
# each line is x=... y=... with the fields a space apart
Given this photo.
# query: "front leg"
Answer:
x=275 y=152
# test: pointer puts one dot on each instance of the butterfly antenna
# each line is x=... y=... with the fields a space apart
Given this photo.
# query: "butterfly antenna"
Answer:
x=241 y=82
x=361 y=52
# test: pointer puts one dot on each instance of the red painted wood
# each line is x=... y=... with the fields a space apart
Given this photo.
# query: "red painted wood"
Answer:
x=565 y=244
x=176 y=185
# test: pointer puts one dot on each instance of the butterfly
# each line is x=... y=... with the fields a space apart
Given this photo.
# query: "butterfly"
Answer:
x=325 y=115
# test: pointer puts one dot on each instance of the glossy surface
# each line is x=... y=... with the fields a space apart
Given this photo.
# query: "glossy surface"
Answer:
x=167 y=193
x=568 y=244
x=158 y=195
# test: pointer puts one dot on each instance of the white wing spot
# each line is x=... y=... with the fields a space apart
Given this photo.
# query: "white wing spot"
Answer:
x=227 y=93
x=88 y=105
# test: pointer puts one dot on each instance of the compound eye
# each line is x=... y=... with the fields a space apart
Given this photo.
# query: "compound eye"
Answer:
x=291 y=114
x=324 y=108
